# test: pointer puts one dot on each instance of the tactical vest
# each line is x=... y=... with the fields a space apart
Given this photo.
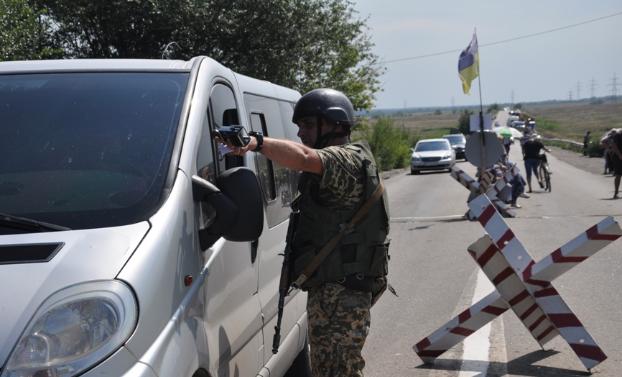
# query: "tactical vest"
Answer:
x=362 y=253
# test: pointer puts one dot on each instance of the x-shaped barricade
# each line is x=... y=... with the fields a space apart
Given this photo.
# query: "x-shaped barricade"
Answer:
x=492 y=190
x=524 y=286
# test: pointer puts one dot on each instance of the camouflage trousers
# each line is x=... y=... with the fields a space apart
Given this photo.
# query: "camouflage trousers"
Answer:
x=339 y=322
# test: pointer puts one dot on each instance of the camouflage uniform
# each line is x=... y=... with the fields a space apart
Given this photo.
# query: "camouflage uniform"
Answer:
x=339 y=317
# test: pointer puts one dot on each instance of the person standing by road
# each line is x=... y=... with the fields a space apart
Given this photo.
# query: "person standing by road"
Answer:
x=531 y=157
x=586 y=142
x=339 y=177
x=616 y=161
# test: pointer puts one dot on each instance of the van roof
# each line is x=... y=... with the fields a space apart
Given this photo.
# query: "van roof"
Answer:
x=95 y=65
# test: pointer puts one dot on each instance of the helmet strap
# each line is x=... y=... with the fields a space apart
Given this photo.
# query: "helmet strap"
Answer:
x=322 y=141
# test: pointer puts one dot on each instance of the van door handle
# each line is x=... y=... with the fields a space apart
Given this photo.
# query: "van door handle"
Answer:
x=254 y=246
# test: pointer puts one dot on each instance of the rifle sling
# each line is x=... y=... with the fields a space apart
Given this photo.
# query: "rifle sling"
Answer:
x=334 y=241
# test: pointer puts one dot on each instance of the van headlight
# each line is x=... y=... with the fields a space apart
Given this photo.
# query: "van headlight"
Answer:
x=74 y=329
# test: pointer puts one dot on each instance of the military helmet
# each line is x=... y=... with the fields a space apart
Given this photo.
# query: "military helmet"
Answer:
x=330 y=104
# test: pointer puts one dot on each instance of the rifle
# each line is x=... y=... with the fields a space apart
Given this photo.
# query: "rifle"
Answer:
x=286 y=280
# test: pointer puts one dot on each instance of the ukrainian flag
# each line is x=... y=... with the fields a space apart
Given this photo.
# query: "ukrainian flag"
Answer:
x=468 y=64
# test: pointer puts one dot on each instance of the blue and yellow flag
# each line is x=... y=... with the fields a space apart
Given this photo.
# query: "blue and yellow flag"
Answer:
x=468 y=64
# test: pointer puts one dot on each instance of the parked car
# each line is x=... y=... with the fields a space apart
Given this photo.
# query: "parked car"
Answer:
x=432 y=154
x=518 y=124
x=512 y=118
x=458 y=143
x=132 y=245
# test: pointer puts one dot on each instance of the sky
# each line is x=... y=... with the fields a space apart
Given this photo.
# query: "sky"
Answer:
x=576 y=61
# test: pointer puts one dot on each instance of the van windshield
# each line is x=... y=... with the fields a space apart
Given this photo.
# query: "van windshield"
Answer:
x=87 y=150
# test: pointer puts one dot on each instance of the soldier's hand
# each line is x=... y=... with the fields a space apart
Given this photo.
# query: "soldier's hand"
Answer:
x=239 y=151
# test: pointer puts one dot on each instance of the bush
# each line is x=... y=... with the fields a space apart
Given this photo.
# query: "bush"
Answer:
x=595 y=150
x=464 y=122
x=389 y=144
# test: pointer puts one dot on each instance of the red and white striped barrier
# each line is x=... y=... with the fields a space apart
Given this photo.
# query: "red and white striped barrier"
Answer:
x=492 y=191
x=524 y=286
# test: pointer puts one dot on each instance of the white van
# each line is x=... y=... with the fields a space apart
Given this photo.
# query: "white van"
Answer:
x=130 y=245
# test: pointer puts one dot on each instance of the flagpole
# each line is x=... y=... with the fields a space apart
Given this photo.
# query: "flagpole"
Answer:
x=481 y=125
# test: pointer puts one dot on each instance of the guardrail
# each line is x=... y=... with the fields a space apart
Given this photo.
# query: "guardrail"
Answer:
x=571 y=142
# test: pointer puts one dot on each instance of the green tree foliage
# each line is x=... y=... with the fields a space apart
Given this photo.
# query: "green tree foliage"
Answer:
x=22 y=32
x=303 y=44
x=390 y=144
x=493 y=109
x=464 y=125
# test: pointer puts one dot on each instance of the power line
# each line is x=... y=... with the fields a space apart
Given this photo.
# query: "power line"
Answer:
x=453 y=51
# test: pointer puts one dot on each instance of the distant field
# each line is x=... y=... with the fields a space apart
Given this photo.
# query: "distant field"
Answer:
x=570 y=121
x=428 y=125
x=565 y=120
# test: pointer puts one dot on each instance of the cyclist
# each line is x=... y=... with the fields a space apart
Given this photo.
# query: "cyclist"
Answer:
x=531 y=156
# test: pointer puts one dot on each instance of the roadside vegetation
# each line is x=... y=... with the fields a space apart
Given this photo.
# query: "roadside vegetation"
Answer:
x=392 y=137
x=392 y=134
x=570 y=121
x=303 y=44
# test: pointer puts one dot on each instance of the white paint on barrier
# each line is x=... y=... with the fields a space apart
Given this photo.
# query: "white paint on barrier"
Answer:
x=477 y=346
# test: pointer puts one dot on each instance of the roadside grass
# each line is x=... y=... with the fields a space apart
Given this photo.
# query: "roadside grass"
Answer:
x=567 y=121
x=571 y=120
x=428 y=125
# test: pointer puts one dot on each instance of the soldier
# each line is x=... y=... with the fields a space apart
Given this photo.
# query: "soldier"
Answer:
x=339 y=177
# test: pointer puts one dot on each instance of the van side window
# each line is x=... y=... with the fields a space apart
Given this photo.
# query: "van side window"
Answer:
x=273 y=118
x=224 y=112
x=265 y=170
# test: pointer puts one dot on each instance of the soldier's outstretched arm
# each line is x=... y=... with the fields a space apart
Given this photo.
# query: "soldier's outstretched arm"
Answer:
x=292 y=155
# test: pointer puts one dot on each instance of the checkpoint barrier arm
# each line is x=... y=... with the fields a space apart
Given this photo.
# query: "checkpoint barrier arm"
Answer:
x=520 y=281
x=547 y=298
x=460 y=327
x=474 y=187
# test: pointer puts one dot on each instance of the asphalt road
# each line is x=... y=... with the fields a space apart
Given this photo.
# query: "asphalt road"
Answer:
x=436 y=278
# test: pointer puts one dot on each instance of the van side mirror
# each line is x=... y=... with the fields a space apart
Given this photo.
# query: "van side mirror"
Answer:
x=236 y=198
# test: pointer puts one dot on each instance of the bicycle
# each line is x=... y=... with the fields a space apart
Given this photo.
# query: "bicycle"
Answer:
x=544 y=172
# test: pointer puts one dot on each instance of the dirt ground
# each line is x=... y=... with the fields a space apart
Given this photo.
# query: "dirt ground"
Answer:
x=594 y=165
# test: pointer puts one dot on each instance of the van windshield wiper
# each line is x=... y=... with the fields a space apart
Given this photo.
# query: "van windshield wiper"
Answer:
x=24 y=223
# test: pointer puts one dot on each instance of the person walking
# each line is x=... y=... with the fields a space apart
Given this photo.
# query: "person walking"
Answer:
x=338 y=178
x=586 y=142
x=531 y=157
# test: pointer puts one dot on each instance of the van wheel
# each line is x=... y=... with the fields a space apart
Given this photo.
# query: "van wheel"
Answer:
x=301 y=367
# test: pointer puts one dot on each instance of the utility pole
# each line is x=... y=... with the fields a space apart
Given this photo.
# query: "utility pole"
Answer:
x=578 y=90
x=570 y=95
x=592 y=87
x=512 y=98
x=614 y=87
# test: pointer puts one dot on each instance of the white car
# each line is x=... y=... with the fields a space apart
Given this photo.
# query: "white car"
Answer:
x=432 y=154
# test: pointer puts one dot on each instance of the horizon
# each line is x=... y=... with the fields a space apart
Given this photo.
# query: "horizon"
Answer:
x=530 y=52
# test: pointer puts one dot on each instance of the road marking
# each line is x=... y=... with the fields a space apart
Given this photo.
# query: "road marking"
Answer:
x=477 y=346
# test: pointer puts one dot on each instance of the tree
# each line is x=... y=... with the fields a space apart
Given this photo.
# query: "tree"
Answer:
x=389 y=143
x=464 y=122
x=303 y=44
x=22 y=32
x=493 y=108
